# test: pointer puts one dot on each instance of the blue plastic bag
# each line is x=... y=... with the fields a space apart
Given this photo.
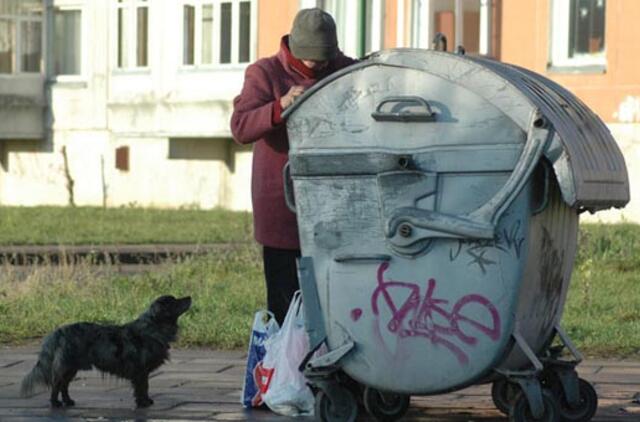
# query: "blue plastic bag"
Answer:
x=256 y=380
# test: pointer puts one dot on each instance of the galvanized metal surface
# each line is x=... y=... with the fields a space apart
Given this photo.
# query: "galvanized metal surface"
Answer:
x=430 y=237
x=587 y=160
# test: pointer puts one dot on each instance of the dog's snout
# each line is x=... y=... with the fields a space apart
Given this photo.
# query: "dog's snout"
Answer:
x=185 y=302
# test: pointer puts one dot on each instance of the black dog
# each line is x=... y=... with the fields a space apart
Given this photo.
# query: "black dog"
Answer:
x=131 y=351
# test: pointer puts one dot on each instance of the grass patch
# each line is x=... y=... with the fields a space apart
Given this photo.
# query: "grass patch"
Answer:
x=602 y=313
x=609 y=243
x=227 y=288
x=127 y=225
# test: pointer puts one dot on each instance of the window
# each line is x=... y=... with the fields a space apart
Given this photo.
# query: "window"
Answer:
x=578 y=33
x=217 y=32
x=360 y=24
x=344 y=13
x=460 y=22
x=188 y=34
x=244 y=47
x=7 y=46
x=372 y=26
x=67 y=42
x=21 y=36
x=465 y=23
x=132 y=18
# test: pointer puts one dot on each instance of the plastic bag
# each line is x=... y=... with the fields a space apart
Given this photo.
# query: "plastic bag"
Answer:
x=288 y=393
x=256 y=379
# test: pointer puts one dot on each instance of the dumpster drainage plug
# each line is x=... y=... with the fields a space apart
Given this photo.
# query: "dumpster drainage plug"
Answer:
x=404 y=230
x=404 y=162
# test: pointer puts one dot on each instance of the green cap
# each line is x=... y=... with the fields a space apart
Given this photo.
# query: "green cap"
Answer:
x=313 y=36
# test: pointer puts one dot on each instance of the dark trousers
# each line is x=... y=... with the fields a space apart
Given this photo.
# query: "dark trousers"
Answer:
x=281 y=275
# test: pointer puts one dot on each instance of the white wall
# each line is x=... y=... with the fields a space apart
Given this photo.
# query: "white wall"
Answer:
x=105 y=108
x=22 y=105
x=628 y=137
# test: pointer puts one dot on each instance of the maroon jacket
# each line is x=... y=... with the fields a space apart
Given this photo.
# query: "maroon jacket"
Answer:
x=256 y=118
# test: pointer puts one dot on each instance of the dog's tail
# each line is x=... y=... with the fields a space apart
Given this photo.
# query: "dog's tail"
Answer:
x=37 y=376
x=41 y=373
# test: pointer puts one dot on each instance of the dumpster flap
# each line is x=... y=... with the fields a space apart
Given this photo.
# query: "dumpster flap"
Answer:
x=587 y=161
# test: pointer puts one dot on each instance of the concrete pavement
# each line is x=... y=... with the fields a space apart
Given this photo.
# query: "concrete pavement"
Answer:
x=203 y=384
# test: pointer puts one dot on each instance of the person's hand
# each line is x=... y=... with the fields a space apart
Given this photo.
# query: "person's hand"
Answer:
x=289 y=97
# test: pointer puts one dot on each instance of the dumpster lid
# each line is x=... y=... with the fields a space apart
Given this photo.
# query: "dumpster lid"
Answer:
x=587 y=161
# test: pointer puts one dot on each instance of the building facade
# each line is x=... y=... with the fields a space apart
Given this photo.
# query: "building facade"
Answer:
x=116 y=102
x=123 y=102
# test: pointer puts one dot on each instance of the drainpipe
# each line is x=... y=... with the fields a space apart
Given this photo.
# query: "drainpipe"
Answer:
x=485 y=27
x=459 y=30
x=400 y=24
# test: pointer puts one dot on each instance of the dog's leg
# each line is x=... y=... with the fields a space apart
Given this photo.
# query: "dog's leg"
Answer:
x=66 y=399
x=141 y=390
x=55 y=389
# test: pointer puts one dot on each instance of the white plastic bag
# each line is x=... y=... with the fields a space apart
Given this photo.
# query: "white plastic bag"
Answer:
x=288 y=393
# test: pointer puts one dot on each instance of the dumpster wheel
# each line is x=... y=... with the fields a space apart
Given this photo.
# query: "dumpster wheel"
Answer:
x=503 y=392
x=520 y=411
x=383 y=406
x=328 y=411
x=586 y=407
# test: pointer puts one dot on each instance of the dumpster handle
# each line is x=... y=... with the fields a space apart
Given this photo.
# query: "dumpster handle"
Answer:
x=408 y=225
x=536 y=143
x=362 y=257
x=439 y=42
x=545 y=193
x=404 y=116
x=289 y=199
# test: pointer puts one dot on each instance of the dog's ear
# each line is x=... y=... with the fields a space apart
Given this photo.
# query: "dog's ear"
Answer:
x=159 y=307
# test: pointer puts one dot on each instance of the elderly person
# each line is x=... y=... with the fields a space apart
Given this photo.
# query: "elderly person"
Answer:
x=308 y=54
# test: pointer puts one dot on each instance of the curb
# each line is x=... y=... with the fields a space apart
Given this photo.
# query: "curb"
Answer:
x=150 y=254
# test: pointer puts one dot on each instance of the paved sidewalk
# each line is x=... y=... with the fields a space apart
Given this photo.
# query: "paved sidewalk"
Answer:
x=205 y=385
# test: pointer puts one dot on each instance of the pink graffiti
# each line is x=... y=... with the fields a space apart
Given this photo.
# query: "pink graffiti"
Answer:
x=415 y=317
x=356 y=314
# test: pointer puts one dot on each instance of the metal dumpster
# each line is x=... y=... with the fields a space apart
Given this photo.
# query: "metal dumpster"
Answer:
x=438 y=198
